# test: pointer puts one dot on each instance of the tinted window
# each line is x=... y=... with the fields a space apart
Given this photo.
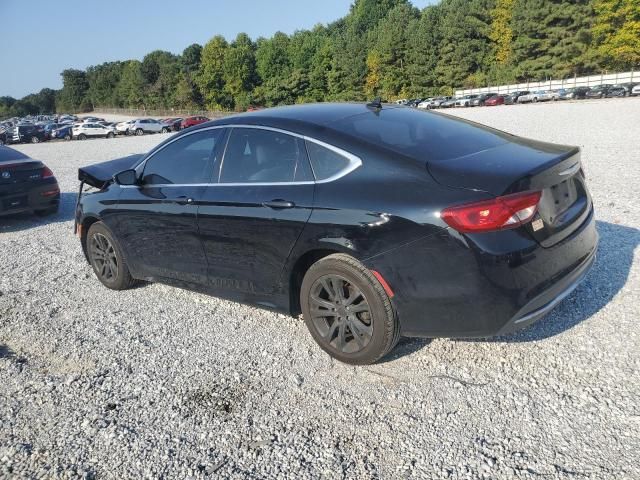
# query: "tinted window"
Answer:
x=325 y=162
x=420 y=135
x=184 y=161
x=263 y=156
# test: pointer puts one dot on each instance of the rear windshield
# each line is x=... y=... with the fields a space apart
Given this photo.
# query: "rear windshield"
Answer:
x=421 y=135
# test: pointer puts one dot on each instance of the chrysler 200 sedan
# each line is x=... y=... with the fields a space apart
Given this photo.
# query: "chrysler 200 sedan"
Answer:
x=373 y=221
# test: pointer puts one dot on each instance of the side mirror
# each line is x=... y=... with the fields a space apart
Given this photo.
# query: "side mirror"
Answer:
x=127 y=177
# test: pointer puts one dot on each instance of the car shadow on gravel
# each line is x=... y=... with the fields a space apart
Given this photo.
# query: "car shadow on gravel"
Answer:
x=607 y=277
x=26 y=221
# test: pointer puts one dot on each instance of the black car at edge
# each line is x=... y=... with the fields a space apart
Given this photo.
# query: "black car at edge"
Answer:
x=26 y=185
x=373 y=221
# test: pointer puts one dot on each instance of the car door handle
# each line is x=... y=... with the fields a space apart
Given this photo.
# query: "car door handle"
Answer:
x=278 y=204
x=183 y=200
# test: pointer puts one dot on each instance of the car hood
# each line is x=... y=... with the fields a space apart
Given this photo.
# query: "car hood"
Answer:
x=100 y=174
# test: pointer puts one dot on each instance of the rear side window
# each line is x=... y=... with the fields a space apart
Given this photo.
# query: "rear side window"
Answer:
x=421 y=135
x=256 y=155
x=325 y=162
x=185 y=161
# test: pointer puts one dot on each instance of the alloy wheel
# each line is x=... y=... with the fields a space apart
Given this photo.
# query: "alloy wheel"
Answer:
x=104 y=257
x=341 y=314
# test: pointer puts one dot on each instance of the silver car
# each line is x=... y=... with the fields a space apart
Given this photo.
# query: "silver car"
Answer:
x=145 y=125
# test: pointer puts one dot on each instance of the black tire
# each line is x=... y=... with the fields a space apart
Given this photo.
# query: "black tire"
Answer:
x=67 y=137
x=82 y=136
x=35 y=140
x=139 y=132
x=361 y=300
x=106 y=258
x=110 y=135
x=47 y=211
x=165 y=130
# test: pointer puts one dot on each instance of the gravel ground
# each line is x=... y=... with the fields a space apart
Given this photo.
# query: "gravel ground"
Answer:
x=160 y=382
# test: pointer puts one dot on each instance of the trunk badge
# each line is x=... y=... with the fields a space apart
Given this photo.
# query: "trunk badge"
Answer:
x=537 y=224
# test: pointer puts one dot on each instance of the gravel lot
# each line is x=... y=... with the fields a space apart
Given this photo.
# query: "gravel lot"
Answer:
x=160 y=382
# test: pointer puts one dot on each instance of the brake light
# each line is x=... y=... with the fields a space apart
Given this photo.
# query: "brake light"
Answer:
x=508 y=211
x=46 y=173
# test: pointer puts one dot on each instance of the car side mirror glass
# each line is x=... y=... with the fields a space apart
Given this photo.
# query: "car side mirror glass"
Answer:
x=127 y=177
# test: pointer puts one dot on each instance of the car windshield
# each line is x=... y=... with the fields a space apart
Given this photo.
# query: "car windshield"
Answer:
x=420 y=135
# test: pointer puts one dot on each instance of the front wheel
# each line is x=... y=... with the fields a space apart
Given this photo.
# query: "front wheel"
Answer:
x=106 y=258
x=67 y=137
x=165 y=130
x=139 y=132
x=82 y=136
x=110 y=135
x=35 y=140
x=347 y=311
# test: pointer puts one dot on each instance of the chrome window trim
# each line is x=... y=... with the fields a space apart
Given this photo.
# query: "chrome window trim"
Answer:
x=354 y=160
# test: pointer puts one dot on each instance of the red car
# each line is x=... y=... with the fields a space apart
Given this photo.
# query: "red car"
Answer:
x=191 y=121
x=493 y=101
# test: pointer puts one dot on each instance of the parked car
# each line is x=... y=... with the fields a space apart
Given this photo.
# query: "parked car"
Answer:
x=145 y=125
x=3 y=137
x=599 y=91
x=28 y=133
x=436 y=102
x=480 y=99
x=49 y=128
x=538 y=96
x=192 y=121
x=579 y=93
x=451 y=103
x=495 y=100
x=122 y=128
x=465 y=101
x=635 y=90
x=514 y=96
x=92 y=130
x=621 y=90
x=26 y=185
x=564 y=94
x=171 y=124
x=65 y=132
x=300 y=216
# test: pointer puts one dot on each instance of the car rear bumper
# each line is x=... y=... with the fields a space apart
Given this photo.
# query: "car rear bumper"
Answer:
x=447 y=285
x=37 y=197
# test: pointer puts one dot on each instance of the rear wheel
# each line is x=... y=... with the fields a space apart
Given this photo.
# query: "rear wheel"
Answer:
x=110 y=135
x=165 y=130
x=82 y=136
x=139 y=132
x=67 y=137
x=106 y=258
x=35 y=140
x=347 y=311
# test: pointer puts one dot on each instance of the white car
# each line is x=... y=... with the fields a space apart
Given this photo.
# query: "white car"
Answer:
x=122 y=128
x=92 y=130
x=635 y=90
x=539 y=96
x=145 y=125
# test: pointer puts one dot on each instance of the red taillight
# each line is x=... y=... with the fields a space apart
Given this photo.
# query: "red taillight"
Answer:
x=50 y=193
x=508 y=211
x=46 y=173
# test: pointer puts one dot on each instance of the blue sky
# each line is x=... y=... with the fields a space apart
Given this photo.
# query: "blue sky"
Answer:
x=43 y=37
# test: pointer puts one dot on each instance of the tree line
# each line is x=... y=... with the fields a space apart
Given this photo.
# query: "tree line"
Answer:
x=384 y=48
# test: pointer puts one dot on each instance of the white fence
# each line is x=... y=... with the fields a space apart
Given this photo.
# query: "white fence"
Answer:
x=590 y=81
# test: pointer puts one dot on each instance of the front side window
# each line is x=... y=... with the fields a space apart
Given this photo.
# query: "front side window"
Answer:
x=264 y=156
x=188 y=160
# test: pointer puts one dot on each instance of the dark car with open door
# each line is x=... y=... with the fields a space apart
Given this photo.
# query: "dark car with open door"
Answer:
x=373 y=221
x=26 y=185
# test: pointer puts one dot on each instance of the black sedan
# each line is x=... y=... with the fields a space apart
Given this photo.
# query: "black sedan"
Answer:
x=373 y=221
x=26 y=185
x=599 y=91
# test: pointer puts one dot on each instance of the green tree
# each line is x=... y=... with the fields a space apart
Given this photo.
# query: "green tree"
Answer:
x=239 y=71
x=191 y=57
x=130 y=89
x=210 y=78
x=616 y=33
x=74 y=90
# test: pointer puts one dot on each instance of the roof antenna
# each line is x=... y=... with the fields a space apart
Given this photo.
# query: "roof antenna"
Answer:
x=375 y=103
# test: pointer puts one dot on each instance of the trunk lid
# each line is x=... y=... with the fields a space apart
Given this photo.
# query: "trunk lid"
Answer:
x=523 y=165
x=20 y=171
x=100 y=174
